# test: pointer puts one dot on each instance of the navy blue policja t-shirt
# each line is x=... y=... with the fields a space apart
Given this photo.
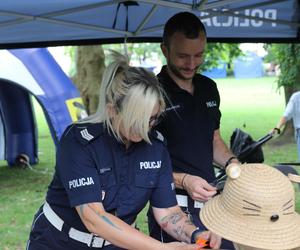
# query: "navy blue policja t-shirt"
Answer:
x=190 y=123
x=92 y=166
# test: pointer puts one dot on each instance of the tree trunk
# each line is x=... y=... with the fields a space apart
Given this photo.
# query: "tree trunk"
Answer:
x=89 y=70
x=287 y=134
x=289 y=60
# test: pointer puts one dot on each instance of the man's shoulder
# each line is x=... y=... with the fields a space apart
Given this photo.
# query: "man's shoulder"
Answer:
x=204 y=79
x=205 y=83
x=163 y=76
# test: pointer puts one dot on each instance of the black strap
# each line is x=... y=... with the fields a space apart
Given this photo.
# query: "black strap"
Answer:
x=277 y=130
x=65 y=228
x=229 y=160
x=126 y=4
x=116 y=16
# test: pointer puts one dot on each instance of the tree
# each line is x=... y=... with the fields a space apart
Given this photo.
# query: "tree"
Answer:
x=216 y=52
x=88 y=70
x=139 y=52
x=89 y=63
x=287 y=56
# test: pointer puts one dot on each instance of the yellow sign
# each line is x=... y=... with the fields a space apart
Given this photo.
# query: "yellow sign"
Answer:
x=76 y=108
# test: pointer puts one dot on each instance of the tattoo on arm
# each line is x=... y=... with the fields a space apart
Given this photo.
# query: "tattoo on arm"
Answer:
x=188 y=221
x=105 y=219
x=177 y=229
x=164 y=222
x=174 y=218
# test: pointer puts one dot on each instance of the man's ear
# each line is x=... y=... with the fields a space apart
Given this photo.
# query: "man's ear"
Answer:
x=164 y=49
x=111 y=110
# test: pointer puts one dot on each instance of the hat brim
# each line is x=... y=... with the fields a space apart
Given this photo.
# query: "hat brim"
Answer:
x=263 y=234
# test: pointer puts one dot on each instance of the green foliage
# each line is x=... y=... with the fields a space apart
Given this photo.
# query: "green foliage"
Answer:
x=272 y=53
x=216 y=52
x=288 y=57
x=140 y=52
x=71 y=52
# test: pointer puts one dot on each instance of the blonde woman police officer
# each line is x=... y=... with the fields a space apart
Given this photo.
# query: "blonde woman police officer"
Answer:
x=107 y=168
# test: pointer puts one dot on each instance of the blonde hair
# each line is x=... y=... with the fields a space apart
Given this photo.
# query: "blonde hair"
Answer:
x=133 y=93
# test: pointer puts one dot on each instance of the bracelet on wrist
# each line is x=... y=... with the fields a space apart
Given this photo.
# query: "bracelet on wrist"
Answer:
x=182 y=181
x=229 y=161
x=194 y=235
x=277 y=130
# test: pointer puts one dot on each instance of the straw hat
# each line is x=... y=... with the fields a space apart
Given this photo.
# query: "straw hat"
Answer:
x=256 y=208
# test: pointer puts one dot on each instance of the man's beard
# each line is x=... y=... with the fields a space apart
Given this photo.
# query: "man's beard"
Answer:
x=177 y=72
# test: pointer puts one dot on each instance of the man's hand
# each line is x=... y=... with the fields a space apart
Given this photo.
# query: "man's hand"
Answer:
x=198 y=188
x=275 y=131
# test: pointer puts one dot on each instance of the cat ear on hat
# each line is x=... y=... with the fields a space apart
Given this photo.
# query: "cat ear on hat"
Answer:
x=233 y=170
x=294 y=178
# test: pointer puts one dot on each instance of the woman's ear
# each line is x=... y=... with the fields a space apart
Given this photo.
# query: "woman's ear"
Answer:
x=111 y=110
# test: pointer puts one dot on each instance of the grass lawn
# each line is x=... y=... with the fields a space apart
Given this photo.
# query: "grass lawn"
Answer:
x=254 y=105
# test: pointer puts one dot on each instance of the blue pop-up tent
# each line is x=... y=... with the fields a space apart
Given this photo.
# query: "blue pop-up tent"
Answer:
x=249 y=65
x=2 y=142
x=33 y=72
x=217 y=72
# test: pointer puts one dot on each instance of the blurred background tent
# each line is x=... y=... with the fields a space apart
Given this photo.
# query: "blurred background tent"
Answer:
x=249 y=65
x=217 y=72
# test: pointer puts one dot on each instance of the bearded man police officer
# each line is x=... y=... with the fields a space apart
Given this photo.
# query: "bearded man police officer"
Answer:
x=191 y=125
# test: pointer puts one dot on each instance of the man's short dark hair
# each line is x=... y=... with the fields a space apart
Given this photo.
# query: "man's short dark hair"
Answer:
x=185 y=22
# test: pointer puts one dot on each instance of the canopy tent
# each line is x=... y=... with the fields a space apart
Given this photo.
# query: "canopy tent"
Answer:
x=54 y=22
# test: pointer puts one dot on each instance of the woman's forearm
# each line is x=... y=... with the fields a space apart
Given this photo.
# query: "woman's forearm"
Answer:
x=113 y=229
x=281 y=122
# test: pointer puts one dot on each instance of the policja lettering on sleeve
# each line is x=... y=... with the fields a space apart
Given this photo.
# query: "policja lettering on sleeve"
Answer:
x=81 y=182
x=150 y=164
